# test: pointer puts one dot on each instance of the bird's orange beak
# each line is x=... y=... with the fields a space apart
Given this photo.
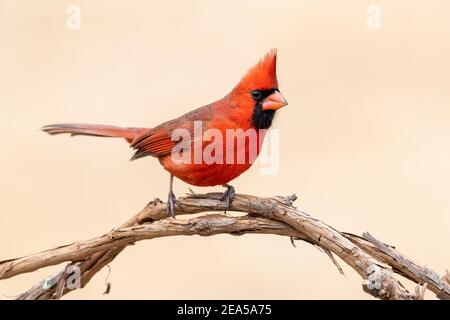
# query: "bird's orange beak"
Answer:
x=274 y=102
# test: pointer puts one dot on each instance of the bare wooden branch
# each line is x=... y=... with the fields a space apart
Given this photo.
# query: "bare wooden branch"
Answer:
x=203 y=226
x=374 y=261
x=402 y=265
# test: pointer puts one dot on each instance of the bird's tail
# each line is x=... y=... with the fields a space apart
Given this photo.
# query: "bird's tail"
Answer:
x=97 y=130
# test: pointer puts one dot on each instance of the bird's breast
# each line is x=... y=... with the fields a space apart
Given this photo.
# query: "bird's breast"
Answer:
x=218 y=157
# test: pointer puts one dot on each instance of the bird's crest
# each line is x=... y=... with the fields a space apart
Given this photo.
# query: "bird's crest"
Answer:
x=263 y=75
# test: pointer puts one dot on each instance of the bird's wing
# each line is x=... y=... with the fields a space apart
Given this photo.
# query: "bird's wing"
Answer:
x=157 y=142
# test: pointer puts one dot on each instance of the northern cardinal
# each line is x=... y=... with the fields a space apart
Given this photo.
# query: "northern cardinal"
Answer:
x=250 y=105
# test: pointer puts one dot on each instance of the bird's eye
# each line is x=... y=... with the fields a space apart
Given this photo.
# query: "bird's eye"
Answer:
x=256 y=94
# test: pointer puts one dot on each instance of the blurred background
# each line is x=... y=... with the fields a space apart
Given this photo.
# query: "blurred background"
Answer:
x=364 y=140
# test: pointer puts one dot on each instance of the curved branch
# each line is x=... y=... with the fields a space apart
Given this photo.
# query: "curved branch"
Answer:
x=204 y=226
x=374 y=261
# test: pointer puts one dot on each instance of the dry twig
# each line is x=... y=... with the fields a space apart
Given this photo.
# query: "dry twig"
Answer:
x=373 y=260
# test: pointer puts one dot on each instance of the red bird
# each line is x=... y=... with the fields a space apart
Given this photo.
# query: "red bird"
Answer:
x=251 y=105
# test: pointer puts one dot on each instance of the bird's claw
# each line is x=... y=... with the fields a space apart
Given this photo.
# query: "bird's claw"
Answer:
x=228 y=196
x=171 y=202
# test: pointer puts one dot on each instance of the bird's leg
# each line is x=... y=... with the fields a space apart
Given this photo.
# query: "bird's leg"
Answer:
x=171 y=200
x=228 y=195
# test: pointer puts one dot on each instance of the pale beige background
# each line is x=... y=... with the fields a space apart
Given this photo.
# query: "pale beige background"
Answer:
x=365 y=139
